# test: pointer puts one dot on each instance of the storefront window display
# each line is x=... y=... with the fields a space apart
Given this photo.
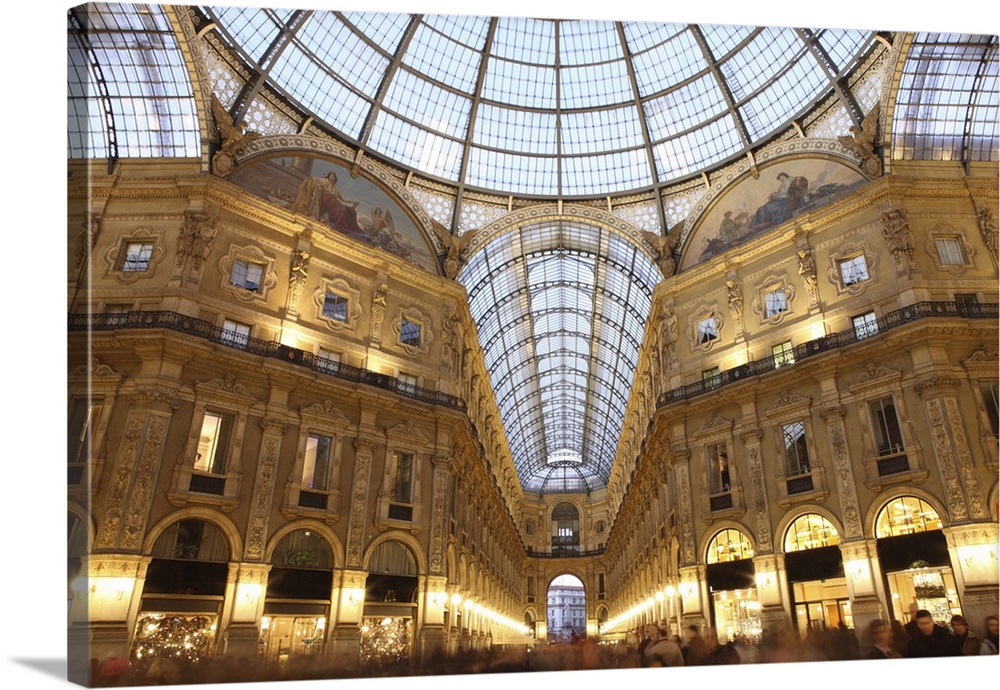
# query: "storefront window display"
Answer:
x=914 y=556
x=730 y=572
x=178 y=637
x=816 y=574
x=385 y=641
x=285 y=636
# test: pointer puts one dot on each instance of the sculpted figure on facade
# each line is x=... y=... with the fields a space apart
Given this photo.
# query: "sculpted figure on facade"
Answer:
x=896 y=231
x=807 y=270
x=988 y=228
x=452 y=343
x=233 y=137
x=668 y=336
x=378 y=310
x=735 y=296
x=89 y=230
x=195 y=240
x=862 y=142
x=668 y=245
x=297 y=279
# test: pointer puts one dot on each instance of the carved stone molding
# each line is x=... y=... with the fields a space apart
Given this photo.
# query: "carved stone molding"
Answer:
x=115 y=257
x=846 y=252
x=95 y=369
x=899 y=239
x=326 y=411
x=787 y=402
x=935 y=381
x=352 y=313
x=714 y=425
x=144 y=395
x=252 y=255
x=772 y=284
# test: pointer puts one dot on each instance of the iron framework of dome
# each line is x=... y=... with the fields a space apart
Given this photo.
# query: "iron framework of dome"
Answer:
x=488 y=108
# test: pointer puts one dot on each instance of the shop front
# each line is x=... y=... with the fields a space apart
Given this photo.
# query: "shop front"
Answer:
x=730 y=573
x=387 y=624
x=183 y=594
x=914 y=555
x=815 y=570
x=297 y=604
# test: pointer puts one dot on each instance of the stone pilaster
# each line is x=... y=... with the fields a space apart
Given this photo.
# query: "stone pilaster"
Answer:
x=833 y=415
x=439 y=503
x=130 y=491
x=758 y=491
x=263 y=492
x=365 y=448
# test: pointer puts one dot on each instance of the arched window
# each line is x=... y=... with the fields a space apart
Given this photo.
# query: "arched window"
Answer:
x=565 y=528
x=302 y=549
x=810 y=531
x=392 y=558
x=194 y=540
x=729 y=545
x=906 y=515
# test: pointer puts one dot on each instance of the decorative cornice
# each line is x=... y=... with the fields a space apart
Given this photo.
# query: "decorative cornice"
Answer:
x=935 y=381
x=95 y=369
x=227 y=384
x=327 y=411
x=785 y=401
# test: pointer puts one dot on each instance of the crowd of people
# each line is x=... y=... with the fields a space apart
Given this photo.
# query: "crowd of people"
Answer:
x=650 y=646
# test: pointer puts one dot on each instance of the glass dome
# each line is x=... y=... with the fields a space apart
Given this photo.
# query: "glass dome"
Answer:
x=541 y=107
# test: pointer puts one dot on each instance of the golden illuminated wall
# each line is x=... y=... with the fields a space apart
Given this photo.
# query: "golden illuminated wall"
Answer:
x=928 y=346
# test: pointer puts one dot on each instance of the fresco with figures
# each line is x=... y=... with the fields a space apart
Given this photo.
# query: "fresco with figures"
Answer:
x=355 y=206
x=752 y=206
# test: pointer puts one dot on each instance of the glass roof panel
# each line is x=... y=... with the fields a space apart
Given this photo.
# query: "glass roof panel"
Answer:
x=342 y=52
x=470 y=32
x=251 y=29
x=524 y=131
x=385 y=29
x=518 y=174
x=525 y=40
x=580 y=363
x=417 y=99
x=597 y=131
x=586 y=42
x=843 y=45
x=416 y=147
x=690 y=152
x=947 y=79
x=145 y=79
x=723 y=38
x=595 y=85
x=520 y=85
x=753 y=65
x=778 y=101
x=444 y=59
x=675 y=60
x=605 y=174
x=684 y=108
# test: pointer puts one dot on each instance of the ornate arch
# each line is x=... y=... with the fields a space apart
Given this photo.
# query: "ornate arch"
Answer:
x=788 y=518
x=717 y=528
x=225 y=525
x=404 y=538
x=320 y=528
x=889 y=495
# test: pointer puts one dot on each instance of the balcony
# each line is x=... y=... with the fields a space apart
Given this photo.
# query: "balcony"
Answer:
x=180 y=323
x=834 y=341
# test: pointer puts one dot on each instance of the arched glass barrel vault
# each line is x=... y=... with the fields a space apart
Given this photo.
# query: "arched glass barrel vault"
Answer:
x=561 y=307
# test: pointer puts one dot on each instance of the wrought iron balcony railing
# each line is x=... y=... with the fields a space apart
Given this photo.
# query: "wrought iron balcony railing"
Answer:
x=265 y=348
x=888 y=322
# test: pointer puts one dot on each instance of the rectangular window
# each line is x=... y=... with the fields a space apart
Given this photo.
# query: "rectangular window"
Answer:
x=711 y=377
x=966 y=298
x=950 y=251
x=853 y=270
x=707 y=330
x=888 y=437
x=796 y=454
x=235 y=333
x=83 y=417
x=783 y=354
x=718 y=468
x=865 y=325
x=327 y=360
x=247 y=275
x=335 y=307
x=406 y=383
x=402 y=486
x=316 y=464
x=990 y=401
x=774 y=302
x=213 y=443
x=136 y=256
x=409 y=333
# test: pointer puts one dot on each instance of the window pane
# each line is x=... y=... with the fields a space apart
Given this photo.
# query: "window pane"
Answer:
x=136 y=257
x=213 y=443
x=335 y=307
x=950 y=251
x=865 y=325
x=853 y=270
x=409 y=333
x=774 y=302
x=404 y=472
x=316 y=464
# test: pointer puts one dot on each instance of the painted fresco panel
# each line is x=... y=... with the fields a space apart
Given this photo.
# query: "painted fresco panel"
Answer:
x=782 y=192
x=354 y=206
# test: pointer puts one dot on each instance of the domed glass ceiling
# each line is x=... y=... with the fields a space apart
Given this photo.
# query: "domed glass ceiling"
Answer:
x=540 y=107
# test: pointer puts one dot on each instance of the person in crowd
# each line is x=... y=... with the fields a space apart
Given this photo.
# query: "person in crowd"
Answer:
x=900 y=638
x=643 y=643
x=990 y=645
x=881 y=635
x=911 y=625
x=966 y=639
x=661 y=651
x=695 y=649
x=932 y=640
